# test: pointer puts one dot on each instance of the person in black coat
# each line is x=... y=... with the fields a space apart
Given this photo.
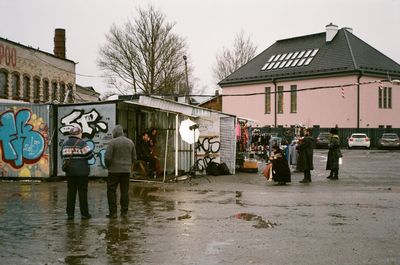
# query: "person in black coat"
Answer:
x=76 y=154
x=280 y=167
x=334 y=154
x=306 y=153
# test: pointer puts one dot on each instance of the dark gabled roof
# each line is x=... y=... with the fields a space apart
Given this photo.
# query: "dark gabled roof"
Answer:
x=346 y=53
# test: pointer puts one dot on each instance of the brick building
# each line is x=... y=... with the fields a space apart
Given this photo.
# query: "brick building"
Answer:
x=31 y=75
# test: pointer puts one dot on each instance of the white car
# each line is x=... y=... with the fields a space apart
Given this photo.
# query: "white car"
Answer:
x=359 y=140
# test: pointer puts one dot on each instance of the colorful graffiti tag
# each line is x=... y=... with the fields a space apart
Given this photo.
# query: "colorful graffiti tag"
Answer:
x=23 y=141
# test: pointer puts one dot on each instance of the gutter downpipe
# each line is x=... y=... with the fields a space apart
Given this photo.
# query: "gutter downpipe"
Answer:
x=358 y=99
x=275 y=107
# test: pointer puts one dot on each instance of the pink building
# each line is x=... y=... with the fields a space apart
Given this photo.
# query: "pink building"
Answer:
x=321 y=79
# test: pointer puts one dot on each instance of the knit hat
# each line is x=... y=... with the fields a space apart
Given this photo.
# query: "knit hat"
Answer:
x=75 y=131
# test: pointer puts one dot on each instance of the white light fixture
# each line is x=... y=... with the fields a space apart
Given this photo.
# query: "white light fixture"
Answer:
x=189 y=131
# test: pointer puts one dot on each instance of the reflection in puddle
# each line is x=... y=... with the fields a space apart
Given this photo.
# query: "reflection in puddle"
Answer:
x=181 y=217
x=260 y=223
x=77 y=259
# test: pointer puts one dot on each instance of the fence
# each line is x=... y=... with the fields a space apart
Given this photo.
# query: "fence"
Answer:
x=344 y=133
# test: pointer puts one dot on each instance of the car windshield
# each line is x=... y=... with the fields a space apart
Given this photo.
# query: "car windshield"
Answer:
x=323 y=135
x=359 y=136
x=390 y=136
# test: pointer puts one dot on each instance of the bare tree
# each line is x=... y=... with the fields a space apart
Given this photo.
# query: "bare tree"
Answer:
x=144 y=55
x=229 y=60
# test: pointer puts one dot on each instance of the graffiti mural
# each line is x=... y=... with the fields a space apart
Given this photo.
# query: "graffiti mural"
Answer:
x=89 y=122
x=23 y=143
x=96 y=122
x=208 y=145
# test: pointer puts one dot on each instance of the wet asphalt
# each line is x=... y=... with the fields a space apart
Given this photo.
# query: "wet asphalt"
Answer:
x=237 y=219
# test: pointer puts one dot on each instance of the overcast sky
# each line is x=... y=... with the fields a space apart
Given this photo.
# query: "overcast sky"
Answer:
x=207 y=26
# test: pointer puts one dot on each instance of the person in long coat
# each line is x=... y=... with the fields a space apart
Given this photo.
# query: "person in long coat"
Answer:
x=306 y=153
x=334 y=154
x=280 y=167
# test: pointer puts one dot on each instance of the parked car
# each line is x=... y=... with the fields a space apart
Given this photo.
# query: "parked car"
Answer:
x=322 y=140
x=359 y=140
x=389 y=140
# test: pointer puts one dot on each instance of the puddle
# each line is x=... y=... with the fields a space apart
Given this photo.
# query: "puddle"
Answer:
x=337 y=215
x=181 y=217
x=259 y=221
x=337 y=224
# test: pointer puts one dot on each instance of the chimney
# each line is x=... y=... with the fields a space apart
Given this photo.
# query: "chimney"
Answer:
x=331 y=31
x=59 y=43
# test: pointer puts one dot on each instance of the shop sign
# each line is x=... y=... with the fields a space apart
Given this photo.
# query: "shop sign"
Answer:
x=8 y=55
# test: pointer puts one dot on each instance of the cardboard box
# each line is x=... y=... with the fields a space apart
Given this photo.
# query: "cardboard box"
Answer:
x=250 y=164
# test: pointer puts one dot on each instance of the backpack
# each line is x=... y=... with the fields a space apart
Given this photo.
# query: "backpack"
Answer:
x=212 y=169
x=223 y=169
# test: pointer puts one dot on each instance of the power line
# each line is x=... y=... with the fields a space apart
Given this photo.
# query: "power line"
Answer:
x=231 y=95
x=282 y=91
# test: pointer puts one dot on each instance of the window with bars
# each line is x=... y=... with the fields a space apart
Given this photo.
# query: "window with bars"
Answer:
x=293 y=98
x=36 y=89
x=15 y=83
x=3 y=84
x=280 y=99
x=267 y=100
x=385 y=97
x=54 y=91
x=26 y=88
x=46 y=91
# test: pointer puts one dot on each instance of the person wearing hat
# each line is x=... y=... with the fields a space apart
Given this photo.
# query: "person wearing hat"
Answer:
x=76 y=153
x=334 y=154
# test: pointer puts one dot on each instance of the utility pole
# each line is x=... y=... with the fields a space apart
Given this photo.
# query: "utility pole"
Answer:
x=187 y=80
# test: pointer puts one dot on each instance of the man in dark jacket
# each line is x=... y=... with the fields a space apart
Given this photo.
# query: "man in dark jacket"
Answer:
x=334 y=154
x=119 y=158
x=144 y=154
x=306 y=153
x=76 y=154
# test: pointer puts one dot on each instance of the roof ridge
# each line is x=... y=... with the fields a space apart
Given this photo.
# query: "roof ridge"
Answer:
x=299 y=37
x=350 y=49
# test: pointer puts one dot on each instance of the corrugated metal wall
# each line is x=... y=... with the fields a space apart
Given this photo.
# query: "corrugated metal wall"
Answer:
x=97 y=122
x=228 y=142
x=25 y=133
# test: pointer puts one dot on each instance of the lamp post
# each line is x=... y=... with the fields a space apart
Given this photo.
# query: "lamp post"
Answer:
x=187 y=79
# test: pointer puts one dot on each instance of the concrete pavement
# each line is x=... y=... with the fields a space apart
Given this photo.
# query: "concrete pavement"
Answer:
x=238 y=219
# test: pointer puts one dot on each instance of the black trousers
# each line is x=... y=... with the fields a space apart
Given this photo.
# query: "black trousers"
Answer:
x=77 y=184
x=334 y=173
x=307 y=174
x=112 y=183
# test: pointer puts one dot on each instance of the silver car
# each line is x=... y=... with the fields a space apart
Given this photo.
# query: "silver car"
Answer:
x=389 y=140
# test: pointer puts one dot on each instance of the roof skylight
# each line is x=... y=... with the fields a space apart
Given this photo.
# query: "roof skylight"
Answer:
x=290 y=59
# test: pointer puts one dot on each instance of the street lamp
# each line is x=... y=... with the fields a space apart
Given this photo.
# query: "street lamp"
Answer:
x=187 y=79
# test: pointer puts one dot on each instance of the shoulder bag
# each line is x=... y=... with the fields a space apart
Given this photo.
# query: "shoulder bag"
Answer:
x=66 y=162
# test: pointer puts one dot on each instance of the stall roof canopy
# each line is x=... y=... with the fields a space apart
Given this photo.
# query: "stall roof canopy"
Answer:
x=175 y=107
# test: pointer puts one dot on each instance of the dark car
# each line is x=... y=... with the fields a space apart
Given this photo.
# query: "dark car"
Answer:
x=322 y=141
x=389 y=140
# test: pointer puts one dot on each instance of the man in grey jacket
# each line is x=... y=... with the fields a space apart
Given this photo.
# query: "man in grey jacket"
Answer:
x=119 y=158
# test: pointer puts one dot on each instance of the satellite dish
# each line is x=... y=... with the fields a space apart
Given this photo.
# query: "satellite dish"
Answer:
x=189 y=131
